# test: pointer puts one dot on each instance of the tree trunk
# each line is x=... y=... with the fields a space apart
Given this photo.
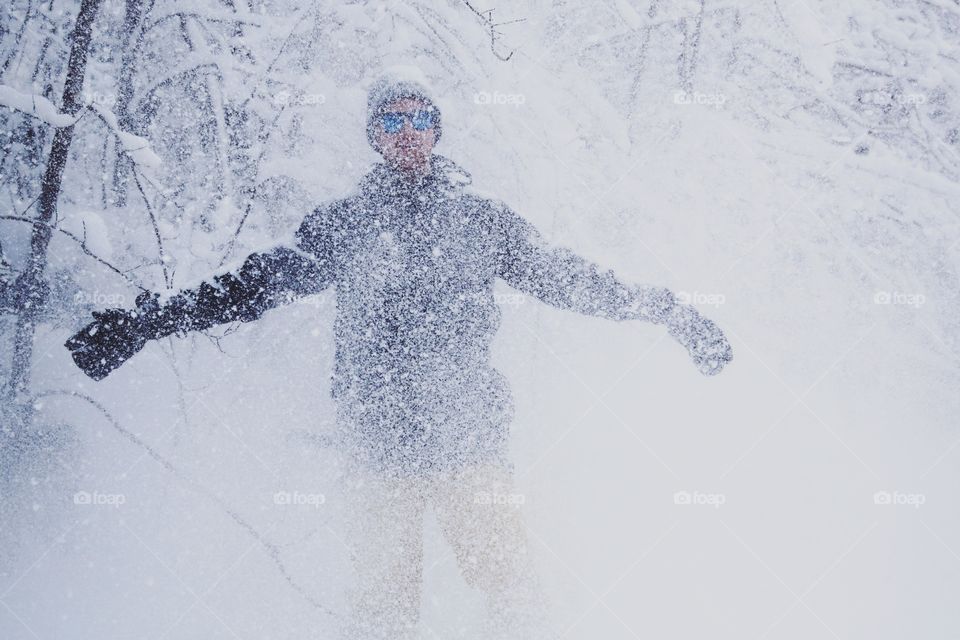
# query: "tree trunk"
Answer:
x=32 y=286
x=132 y=38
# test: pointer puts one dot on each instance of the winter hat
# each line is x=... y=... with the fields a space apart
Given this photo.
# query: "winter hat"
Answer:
x=396 y=83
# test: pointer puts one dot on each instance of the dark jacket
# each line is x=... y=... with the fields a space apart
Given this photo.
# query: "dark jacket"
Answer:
x=414 y=266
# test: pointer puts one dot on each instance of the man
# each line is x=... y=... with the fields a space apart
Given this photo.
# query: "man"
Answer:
x=421 y=413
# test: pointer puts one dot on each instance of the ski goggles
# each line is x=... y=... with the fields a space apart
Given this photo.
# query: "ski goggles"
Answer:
x=421 y=120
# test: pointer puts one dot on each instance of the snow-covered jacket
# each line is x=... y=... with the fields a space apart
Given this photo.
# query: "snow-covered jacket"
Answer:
x=413 y=265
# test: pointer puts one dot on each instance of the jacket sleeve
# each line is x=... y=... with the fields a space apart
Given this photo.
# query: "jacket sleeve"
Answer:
x=265 y=280
x=560 y=278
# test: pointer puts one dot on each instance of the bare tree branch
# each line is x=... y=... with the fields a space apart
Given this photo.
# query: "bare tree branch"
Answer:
x=80 y=242
x=486 y=17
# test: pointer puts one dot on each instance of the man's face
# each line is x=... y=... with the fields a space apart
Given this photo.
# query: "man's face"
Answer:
x=408 y=149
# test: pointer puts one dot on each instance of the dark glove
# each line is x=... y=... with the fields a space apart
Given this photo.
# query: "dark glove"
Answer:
x=114 y=337
x=703 y=339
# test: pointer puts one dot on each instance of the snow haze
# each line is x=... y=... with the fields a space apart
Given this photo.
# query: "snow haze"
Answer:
x=788 y=168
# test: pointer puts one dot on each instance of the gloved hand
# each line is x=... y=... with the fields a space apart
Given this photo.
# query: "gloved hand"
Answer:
x=113 y=337
x=703 y=339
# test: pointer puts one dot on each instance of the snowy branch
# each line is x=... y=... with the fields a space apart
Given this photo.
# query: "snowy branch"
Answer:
x=136 y=147
x=39 y=107
x=36 y=106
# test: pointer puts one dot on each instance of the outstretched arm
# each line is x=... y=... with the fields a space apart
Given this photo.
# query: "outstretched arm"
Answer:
x=563 y=279
x=265 y=280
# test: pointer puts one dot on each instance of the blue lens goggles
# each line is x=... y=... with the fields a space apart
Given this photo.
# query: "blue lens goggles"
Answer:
x=421 y=120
